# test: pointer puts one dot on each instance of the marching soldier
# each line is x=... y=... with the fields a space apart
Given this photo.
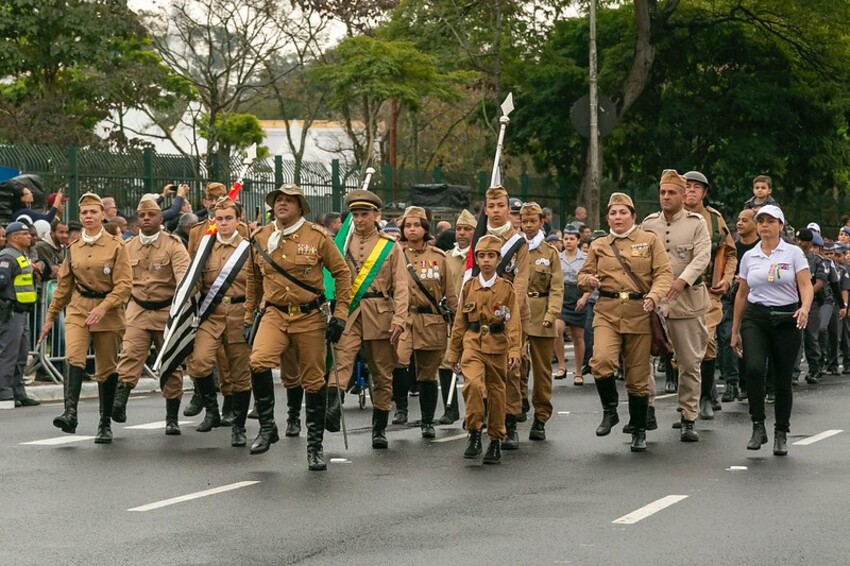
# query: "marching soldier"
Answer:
x=286 y=283
x=513 y=266
x=724 y=260
x=223 y=288
x=688 y=245
x=433 y=300
x=485 y=347
x=158 y=261
x=545 y=298
x=94 y=284
x=456 y=264
x=377 y=314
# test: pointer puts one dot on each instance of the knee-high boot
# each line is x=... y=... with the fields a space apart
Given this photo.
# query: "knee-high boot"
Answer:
x=106 y=392
x=428 y=405
x=450 y=412
x=607 y=389
x=263 y=386
x=294 y=396
x=73 y=385
x=241 y=402
x=315 y=413
x=212 y=418
x=401 y=386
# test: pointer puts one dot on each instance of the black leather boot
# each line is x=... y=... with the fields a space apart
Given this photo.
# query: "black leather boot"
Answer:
x=172 y=411
x=106 y=392
x=315 y=413
x=523 y=416
x=379 y=429
x=294 y=396
x=428 y=405
x=538 y=430
x=687 y=433
x=401 y=386
x=672 y=374
x=196 y=403
x=241 y=403
x=512 y=441
x=651 y=421
x=706 y=407
x=119 y=409
x=638 y=412
x=450 y=412
x=333 y=414
x=780 y=443
x=227 y=410
x=758 y=438
x=607 y=389
x=72 y=386
x=494 y=453
x=473 y=445
x=263 y=387
x=212 y=418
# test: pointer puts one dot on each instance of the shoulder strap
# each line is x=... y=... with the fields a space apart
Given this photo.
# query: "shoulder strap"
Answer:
x=419 y=284
x=627 y=269
x=506 y=259
x=283 y=272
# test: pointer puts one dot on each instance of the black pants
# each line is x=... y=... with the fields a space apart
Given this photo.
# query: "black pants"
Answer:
x=764 y=341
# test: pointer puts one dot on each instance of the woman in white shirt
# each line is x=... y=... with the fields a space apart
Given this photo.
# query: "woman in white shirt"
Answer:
x=572 y=313
x=771 y=308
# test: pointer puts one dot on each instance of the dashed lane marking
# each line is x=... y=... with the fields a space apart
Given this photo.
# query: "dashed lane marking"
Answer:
x=191 y=496
x=817 y=438
x=58 y=441
x=155 y=426
x=649 y=510
x=667 y=396
x=736 y=469
x=450 y=438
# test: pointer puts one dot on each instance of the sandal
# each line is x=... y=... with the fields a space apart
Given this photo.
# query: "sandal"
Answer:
x=560 y=374
x=578 y=380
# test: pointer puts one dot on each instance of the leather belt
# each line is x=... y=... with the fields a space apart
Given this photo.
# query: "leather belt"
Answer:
x=232 y=300
x=152 y=305
x=497 y=328
x=292 y=310
x=422 y=310
x=622 y=295
x=92 y=294
x=376 y=295
x=535 y=294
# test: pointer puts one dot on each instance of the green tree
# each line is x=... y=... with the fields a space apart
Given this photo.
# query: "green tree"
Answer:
x=234 y=131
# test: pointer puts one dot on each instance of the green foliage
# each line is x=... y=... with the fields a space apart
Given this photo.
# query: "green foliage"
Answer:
x=234 y=131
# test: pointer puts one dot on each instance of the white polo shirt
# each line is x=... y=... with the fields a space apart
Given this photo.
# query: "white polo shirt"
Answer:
x=773 y=278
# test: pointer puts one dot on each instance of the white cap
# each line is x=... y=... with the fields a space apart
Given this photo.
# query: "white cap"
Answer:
x=772 y=210
x=814 y=226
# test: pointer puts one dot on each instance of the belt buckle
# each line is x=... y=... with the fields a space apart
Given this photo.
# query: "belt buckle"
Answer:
x=225 y=300
x=623 y=295
x=293 y=309
x=485 y=329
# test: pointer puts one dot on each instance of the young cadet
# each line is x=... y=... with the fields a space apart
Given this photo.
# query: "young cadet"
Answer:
x=485 y=348
x=545 y=298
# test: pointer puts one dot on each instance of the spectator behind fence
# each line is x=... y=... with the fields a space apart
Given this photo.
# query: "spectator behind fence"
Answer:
x=184 y=225
x=25 y=211
x=50 y=249
x=332 y=223
x=110 y=209
x=74 y=230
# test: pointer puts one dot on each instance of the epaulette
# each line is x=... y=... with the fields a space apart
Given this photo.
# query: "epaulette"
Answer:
x=652 y=216
x=175 y=237
x=200 y=223
x=714 y=211
x=318 y=228
x=694 y=215
x=257 y=230
x=436 y=249
x=550 y=246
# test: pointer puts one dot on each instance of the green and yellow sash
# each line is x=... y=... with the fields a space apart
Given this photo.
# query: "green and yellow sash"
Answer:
x=369 y=271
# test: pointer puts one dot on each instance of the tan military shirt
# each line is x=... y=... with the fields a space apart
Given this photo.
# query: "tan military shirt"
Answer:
x=517 y=273
x=228 y=318
x=456 y=261
x=645 y=255
x=391 y=281
x=102 y=267
x=545 y=278
x=688 y=245
x=303 y=254
x=157 y=269
x=430 y=267
x=197 y=231
x=487 y=306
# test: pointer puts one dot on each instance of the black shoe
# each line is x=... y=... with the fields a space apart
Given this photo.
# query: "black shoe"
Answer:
x=262 y=385
x=607 y=390
x=651 y=421
x=106 y=393
x=333 y=411
x=638 y=441
x=628 y=429
x=227 y=411
x=670 y=386
x=254 y=414
x=832 y=370
x=758 y=438
x=522 y=417
x=473 y=445
x=27 y=402
x=315 y=416
x=428 y=431
x=67 y=422
x=538 y=430
x=427 y=406
x=119 y=409
x=196 y=404
x=400 y=417
x=706 y=409
x=494 y=453
x=512 y=441
x=770 y=398
x=715 y=404
x=812 y=378
x=780 y=443
x=212 y=418
x=846 y=369
x=241 y=403
x=172 y=411
x=379 y=429
x=104 y=432
x=401 y=387
x=743 y=395
x=294 y=396
x=730 y=394
x=688 y=434
x=585 y=369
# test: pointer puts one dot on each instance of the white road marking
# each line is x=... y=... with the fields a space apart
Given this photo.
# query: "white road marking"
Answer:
x=817 y=438
x=58 y=441
x=667 y=396
x=155 y=426
x=340 y=461
x=648 y=510
x=737 y=469
x=450 y=438
x=563 y=412
x=191 y=496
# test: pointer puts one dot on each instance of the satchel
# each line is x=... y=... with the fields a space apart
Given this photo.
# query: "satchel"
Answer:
x=658 y=324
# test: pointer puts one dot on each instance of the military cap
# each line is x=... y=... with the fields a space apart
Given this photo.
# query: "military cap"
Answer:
x=412 y=212
x=571 y=230
x=846 y=230
x=696 y=176
x=360 y=199
x=292 y=190
x=829 y=245
x=805 y=235
x=488 y=243
x=598 y=234
x=148 y=203
x=495 y=193
x=621 y=199
x=839 y=248
x=531 y=209
x=215 y=190
x=515 y=205
x=671 y=177
x=466 y=219
x=552 y=238
x=89 y=199
x=817 y=240
x=226 y=202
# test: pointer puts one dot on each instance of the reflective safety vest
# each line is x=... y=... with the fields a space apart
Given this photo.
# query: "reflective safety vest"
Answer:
x=24 y=282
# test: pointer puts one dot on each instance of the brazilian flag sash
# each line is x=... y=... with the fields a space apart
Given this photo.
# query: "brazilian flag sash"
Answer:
x=369 y=271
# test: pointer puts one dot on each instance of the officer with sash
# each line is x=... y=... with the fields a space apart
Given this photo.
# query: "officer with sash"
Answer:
x=377 y=314
x=285 y=283
x=17 y=299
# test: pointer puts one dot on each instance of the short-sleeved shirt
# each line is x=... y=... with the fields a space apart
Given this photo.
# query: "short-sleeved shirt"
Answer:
x=772 y=279
x=570 y=268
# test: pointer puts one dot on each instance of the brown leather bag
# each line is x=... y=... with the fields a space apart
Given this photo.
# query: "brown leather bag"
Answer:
x=660 y=336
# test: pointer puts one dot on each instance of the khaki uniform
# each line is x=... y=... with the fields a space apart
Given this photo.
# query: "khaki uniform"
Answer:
x=157 y=269
x=687 y=243
x=621 y=325
x=427 y=331
x=456 y=264
x=291 y=314
x=483 y=355
x=384 y=304
x=222 y=329
x=197 y=231
x=545 y=298
x=102 y=267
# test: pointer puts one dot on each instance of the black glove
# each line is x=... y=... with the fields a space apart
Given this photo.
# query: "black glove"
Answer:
x=246 y=332
x=335 y=330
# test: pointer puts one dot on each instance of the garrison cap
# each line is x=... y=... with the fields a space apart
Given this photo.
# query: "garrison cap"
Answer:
x=622 y=199
x=148 y=202
x=672 y=177
x=292 y=190
x=360 y=199
x=531 y=209
x=495 y=193
x=488 y=243
x=412 y=212
x=226 y=202
x=89 y=199
x=466 y=219
x=215 y=190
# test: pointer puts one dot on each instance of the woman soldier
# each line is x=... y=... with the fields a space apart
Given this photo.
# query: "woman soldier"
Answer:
x=94 y=283
x=621 y=322
x=432 y=289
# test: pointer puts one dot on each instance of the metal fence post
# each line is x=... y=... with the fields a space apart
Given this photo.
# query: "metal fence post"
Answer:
x=523 y=186
x=336 y=186
x=483 y=184
x=278 y=171
x=438 y=175
x=73 y=182
x=147 y=157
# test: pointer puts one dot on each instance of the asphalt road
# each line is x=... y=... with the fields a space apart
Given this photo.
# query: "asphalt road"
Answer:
x=568 y=500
